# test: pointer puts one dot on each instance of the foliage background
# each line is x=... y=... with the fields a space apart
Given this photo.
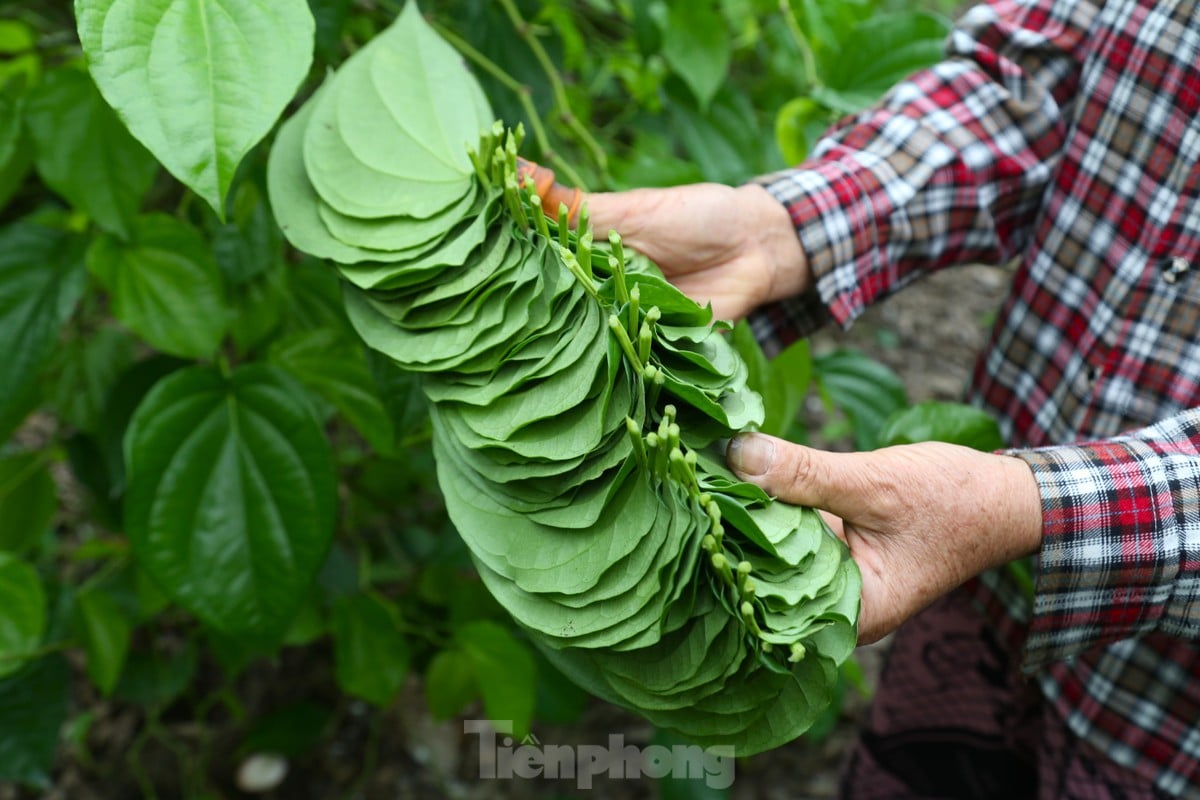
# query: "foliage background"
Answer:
x=141 y=328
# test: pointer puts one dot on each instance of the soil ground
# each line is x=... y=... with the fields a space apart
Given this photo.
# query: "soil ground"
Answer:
x=929 y=334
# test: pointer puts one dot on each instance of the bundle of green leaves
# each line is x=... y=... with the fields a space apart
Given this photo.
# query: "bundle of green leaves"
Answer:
x=579 y=402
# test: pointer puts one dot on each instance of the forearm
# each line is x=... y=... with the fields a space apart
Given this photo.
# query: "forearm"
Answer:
x=949 y=168
x=1120 y=553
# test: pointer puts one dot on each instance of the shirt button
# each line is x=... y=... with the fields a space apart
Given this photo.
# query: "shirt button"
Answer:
x=1175 y=267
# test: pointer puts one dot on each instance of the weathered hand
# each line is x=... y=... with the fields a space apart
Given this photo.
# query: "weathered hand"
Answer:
x=919 y=519
x=733 y=247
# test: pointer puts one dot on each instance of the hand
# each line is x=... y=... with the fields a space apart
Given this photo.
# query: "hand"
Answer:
x=919 y=519
x=733 y=247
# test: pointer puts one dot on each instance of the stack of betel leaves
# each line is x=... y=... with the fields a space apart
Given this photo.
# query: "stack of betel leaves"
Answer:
x=578 y=402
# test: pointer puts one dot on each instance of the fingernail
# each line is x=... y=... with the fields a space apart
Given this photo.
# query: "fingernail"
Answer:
x=750 y=454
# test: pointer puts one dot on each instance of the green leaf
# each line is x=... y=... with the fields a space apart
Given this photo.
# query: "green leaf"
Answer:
x=335 y=367
x=506 y=670
x=292 y=731
x=230 y=505
x=33 y=708
x=84 y=152
x=106 y=632
x=41 y=281
x=199 y=82
x=862 y=388
x=28 y=498
x=155 y=680
x=84 y=371
x=370 y=653
x=935 y=421
x=885 y=49
x=797 y=126
x=22 y=64
x=696 y=44
x=165 y=285
x=450 y=683
x=22 y=612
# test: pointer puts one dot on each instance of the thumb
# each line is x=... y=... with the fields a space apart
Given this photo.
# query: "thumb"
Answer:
x=553 y=194
x=835 y=482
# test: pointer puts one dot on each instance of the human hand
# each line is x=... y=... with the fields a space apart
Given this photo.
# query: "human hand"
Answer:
x=733 y=247
x=919 y=519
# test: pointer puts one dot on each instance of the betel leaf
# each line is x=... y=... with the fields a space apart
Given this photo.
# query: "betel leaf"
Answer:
x=230 y=500
x=84 y=370
x=450 y=683
x=33 y=708
x=866 y=391
x=22 y=612
x=942 y=422
x=84 y=152
x=505 y=672
x=198 y=82
x=335 y=367
x=165 y=285
x=884 y=49
x=577 y=400
x=370 y=653
x=105 y=631
x=696 y=44
x=28 y=498
x=41 y=282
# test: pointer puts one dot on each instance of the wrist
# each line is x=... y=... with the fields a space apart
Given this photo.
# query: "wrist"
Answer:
x=1023 y=497
x=786 y=272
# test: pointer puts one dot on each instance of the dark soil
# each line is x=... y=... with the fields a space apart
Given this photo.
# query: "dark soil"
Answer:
x=929 y=335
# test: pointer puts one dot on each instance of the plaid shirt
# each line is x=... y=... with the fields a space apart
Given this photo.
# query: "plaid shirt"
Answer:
x=1067 y=135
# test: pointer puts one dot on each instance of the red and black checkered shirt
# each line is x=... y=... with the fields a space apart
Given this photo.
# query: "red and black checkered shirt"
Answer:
x=1065 y=135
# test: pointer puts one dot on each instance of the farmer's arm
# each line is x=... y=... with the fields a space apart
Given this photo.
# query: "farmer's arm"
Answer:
x=949 y=168
x=1116 y=526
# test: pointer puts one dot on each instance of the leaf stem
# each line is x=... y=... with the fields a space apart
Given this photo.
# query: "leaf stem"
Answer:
x=519 y=89
x=806 y=52
x=525 y=31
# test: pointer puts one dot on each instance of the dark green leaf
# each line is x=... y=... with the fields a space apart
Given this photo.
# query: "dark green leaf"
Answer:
x=291 y=732
x=41 y=281
x=335 y=367
x=450 y=683
x=33 y=708
x=84 y=372
x=198 y=83
x=106 y=632
x=942 y=422
x=507 y=673
x=230 y=506
x=696 y=45
x=885 y=49
x=165 y=285
x=85 y=154
x=371 y=654
x=22 y=612
x=28 y=498
x=155 y=680
x=866 y=391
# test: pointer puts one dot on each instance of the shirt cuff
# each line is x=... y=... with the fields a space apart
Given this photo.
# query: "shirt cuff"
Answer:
x=1115 y=519
x=836 y=228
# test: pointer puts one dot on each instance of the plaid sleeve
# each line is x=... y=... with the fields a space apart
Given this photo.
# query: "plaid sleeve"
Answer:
x=949 y=168
x=1121 y=540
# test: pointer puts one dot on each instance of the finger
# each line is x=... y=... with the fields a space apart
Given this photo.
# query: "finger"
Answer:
x=553 y=194
x=836 y=482
x=835 y=524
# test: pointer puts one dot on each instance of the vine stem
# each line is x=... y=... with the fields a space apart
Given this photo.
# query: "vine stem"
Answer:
x=793 y=26
x=516 y=87
x=556 y=85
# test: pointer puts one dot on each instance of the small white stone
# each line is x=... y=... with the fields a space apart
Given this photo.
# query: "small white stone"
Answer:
x=261 y=772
